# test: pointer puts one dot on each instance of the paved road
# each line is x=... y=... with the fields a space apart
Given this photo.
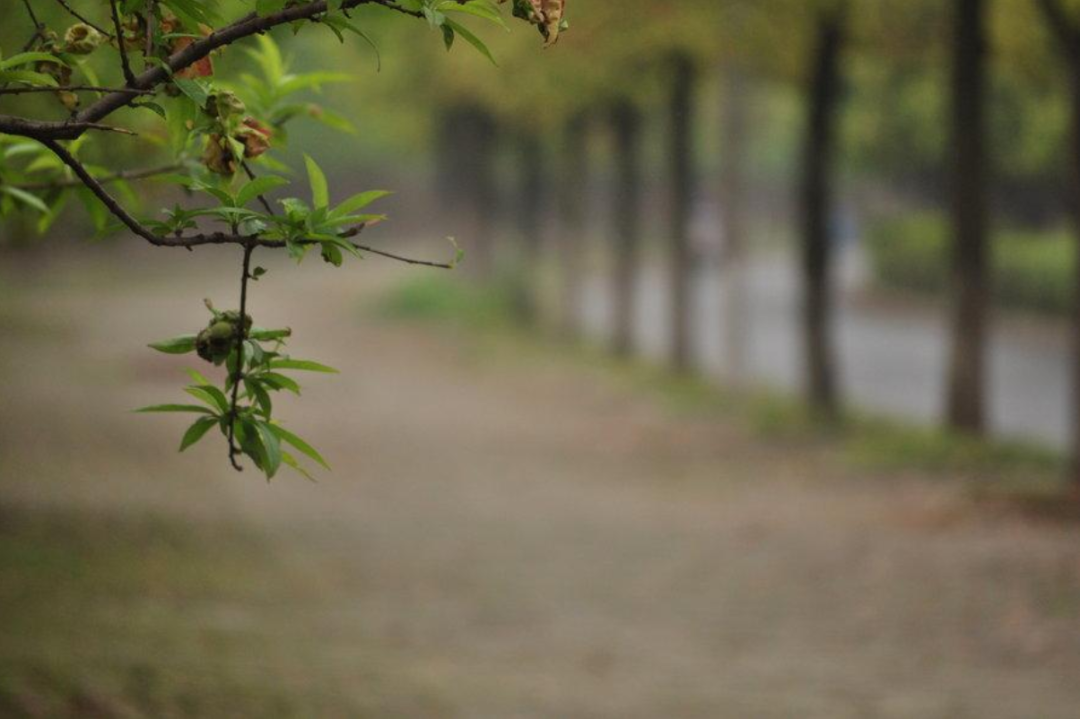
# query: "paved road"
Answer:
x=892 y=357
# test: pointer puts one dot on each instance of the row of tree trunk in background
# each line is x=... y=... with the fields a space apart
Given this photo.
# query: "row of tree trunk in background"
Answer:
x=467 y=184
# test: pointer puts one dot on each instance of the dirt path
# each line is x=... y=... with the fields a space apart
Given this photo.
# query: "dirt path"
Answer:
x=508 y=536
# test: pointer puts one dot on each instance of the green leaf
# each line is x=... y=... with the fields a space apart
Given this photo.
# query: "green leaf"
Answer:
x=196 y=431
x=257 y=333
x=480 y=8
x=153 y=107
x=300 y=444
x=193 y=12
x=25 y=197
x=295 y=83
x=281 y=382
x=336 y=121
x=26 y=58
x=197 y=377
x=175 y=345
x=472 y=40
x=272 y=448
x=290 y=461
x=198 y=92
x=320 y=194
x=305 y=365
x=261 y=396
x=331 y=254
x=358 y=202
x=210 y=394
x=175 y=408
x=459 y=254
x=258 y=186
x=29 y=77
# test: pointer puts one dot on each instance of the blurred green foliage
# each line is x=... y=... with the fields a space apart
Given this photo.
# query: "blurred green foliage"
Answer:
x=1031 y=270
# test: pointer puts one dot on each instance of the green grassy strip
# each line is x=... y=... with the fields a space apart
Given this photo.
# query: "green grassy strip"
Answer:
x=864 y=440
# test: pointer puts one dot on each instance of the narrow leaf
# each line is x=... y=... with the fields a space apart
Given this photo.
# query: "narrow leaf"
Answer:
x=175 y=345
x=305 y=365
x=196 y=431
x=175 y=408
x=320 y=194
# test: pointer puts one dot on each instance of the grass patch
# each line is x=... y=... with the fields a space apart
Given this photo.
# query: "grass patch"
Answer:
x=864 y=440
x=114 y=616
x=1029 y=270
x=450 y=299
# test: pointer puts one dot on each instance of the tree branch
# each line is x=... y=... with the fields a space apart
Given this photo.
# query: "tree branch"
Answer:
x=81 y=18
x=211 y=238
x=148 y=50
x=39 y=27
x=104 y=179
x=125 y=64
x=262 y=198
x=73 y=88
x=399 y=258
x=250 y=24
x=238 y=374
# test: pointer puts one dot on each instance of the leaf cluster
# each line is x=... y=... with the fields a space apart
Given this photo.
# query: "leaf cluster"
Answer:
x=262 y=369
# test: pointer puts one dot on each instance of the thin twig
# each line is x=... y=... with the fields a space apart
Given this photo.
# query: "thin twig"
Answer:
x=238 y=374
x=104 y=179
x=39 y=27
x=125 y=64
x=214 y=238
x=82 y=18
x=251 y=176
x=246 y=26
x=148 y=52
x=104 y=128
x=74 y=88
x=399 y=258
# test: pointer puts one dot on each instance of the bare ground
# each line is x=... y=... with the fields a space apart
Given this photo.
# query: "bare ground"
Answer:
x=506 y=534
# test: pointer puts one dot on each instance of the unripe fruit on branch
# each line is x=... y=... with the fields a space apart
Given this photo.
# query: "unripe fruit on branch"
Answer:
x=218 y=339
x=81 y=39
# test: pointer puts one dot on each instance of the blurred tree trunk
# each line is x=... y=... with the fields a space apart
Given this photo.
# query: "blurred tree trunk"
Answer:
x=465 y=180
x=530 y=222
x=448 y=136
x=965 y=407
x=572 y=245
x=1067 y=31
x=818 y=161
x=734 y=137
x=681 y=110
x=626 y=123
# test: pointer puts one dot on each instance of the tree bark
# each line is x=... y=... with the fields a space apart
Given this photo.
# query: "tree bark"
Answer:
x=965 y=402
x=481 y=203
x=683 y=77
x=626 y=124
x=530 y=222
x=449 y=135
x=572 y=244
x=817 y=190
x=1074 y=196
x=464 y=180
x=733 y=267
x=1067 y=33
